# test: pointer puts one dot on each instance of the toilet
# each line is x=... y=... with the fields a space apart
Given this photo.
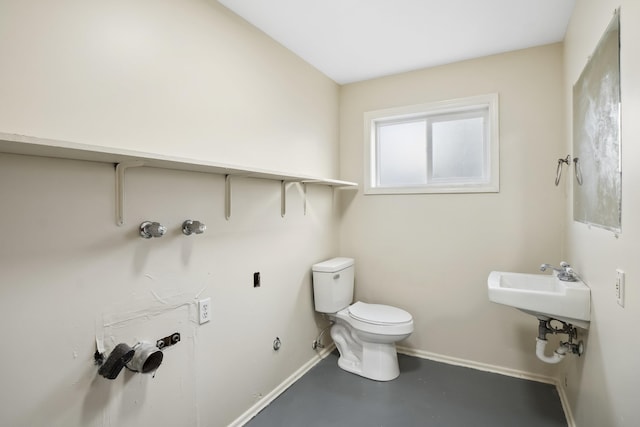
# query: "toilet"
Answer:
x=365 y=334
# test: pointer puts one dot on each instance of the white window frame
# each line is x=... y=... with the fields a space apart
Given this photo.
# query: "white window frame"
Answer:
x=490 y=183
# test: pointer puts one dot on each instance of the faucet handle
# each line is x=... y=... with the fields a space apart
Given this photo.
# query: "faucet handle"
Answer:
x=193 y=227
x=564 y=264
x=150 y=229
x=544 y=267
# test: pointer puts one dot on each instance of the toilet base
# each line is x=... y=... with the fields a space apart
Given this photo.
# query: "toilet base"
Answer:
x=375 y=361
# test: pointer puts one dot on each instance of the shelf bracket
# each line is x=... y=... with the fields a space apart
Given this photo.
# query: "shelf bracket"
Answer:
x=227 y=197
x=304 y=198
x=283 y=198
x=120 y=168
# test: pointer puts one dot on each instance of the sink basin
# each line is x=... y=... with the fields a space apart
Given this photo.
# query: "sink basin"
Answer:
x=542 y=295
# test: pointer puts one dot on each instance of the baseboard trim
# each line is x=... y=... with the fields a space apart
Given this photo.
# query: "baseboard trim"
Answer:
x=496 y=370
x=273 y=394
x=267 y=399
x=476 y=365
x=571 y=422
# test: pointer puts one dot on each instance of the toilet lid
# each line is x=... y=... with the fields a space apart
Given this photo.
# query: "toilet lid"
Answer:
x=378 y=314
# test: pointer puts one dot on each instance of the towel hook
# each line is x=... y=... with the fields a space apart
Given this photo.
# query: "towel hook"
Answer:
x=567 y=161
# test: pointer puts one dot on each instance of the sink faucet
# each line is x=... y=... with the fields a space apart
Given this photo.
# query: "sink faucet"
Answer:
x=564 y=273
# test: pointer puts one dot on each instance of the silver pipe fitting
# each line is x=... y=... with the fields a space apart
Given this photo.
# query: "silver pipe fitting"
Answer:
x=190 y=227
x=150 y=229
x=564 y=272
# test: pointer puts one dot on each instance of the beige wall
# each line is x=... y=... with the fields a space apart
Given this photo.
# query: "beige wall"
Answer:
x=431 y=254
x=602 y=386
x=184 y=78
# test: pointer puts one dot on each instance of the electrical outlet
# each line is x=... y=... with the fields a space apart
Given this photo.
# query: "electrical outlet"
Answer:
x=620 y=287
x=204 y=310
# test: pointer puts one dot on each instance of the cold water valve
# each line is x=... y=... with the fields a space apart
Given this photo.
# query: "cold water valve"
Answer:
x=150 y=229
x=190 y=227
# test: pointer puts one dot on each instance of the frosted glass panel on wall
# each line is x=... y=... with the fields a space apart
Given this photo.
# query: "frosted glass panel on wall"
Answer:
x=402 y=153
x=458 y=147
x=596 y=135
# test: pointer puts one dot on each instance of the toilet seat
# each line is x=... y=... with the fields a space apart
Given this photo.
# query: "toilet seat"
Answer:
x=377 y=319
x=378 y=314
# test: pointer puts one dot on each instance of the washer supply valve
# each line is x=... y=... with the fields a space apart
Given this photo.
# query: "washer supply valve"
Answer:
x=190 y=227
x=150 y=229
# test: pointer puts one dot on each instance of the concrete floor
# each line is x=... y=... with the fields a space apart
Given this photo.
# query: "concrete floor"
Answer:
x=426 y=394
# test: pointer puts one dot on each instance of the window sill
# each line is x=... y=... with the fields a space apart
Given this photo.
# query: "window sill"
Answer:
x=434 y=189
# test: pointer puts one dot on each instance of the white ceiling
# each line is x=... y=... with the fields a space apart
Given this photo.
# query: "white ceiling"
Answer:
x=353 y=40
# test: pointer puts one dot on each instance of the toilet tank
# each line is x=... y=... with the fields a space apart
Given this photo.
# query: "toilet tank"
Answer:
x=333 y=284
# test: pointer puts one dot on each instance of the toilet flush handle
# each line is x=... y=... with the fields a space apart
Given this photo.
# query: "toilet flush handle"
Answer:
x=336 y=276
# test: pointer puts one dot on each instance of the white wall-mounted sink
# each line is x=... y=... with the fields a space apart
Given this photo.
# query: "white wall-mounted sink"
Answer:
x=542 y=295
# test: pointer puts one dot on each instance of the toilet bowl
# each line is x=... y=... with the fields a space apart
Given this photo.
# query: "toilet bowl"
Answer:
x=365 y=334
x=366 y=343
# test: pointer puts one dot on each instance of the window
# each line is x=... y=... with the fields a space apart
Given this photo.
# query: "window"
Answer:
x=441 y=147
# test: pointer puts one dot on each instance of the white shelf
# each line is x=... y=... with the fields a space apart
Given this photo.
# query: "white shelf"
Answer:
x=124 y=159
x=20 y=144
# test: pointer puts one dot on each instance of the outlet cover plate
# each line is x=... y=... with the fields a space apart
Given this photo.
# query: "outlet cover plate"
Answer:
x=204 y=310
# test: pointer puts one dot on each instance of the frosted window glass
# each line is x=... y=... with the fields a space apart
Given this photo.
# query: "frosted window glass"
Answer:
x=402 y=154
x=458 y=149
x=439 y=147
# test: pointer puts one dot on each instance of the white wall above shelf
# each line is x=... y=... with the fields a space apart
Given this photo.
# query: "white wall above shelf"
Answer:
x=124 y=159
